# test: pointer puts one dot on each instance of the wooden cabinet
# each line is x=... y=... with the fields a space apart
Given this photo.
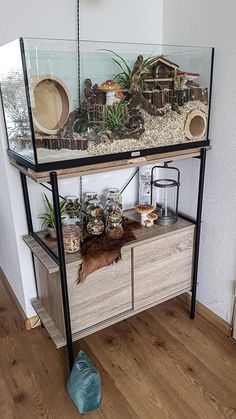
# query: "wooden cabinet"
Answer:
x=105 y=293
x=162 y=267
x=156 y=266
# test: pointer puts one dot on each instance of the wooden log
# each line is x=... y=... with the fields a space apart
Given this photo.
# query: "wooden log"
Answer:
x=79 y=144
x=100 y=97
x=199 y=93
x=156 y=97
x=135 y=75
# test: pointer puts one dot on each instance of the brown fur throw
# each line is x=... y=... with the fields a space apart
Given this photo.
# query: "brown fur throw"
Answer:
x=97 y=252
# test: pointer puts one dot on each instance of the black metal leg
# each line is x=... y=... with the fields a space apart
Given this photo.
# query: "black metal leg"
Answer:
x=27 y=202
x=198 y=230
x=62 y=267
x=28 y=218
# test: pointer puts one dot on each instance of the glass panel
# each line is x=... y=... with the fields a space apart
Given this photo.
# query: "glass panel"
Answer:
x=166 y=199
x=121 y=98
x=52 y=67
x=14 y=101
x=159 y=98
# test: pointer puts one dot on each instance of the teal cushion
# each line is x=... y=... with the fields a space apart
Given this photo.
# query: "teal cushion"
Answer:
x=84 y=384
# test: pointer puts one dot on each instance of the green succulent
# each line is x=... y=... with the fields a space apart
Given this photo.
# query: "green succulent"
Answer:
x=48 y=218
x=115 y=118
x=80 y=126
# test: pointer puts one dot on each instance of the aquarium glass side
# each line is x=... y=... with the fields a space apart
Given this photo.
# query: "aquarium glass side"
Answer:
x=52 y=69
x=140 y=97
x=115 y=98
x=14 y=101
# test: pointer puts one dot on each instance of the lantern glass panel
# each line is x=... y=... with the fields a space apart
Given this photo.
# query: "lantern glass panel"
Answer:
x=166 y=191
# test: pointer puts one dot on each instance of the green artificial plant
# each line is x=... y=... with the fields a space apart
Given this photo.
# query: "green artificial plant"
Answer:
x=48 y=217
x=115 y=116
x=124 y=77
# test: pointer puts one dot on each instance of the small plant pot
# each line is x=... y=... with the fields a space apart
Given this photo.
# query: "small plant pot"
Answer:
x=52 y=232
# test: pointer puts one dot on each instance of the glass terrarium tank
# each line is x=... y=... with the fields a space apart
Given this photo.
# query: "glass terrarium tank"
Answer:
x=69 y=104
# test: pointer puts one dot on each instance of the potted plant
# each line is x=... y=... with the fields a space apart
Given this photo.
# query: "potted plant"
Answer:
x=48 y=218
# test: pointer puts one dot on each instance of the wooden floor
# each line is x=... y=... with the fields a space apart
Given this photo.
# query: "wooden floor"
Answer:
x=159 y=364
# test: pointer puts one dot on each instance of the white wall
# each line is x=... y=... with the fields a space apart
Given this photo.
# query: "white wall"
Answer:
x=212 y=23
x=100 y=20
x=23 y=18
x=123 y=20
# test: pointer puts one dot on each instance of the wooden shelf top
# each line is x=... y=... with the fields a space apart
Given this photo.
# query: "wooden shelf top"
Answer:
x=143 y=235
x=109 y=166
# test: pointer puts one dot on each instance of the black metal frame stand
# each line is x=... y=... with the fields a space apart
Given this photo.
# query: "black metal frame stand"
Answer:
x=198 y=230
x=60 y=258
x=62 y=266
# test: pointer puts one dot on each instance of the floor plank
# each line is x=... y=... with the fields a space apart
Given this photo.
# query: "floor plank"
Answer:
x=158 y=364
x=10 y=318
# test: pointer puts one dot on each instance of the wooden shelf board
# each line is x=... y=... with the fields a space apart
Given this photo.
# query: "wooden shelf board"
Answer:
x=60 y=341
x=49 y=325
x=109 y=166
x=143 y=235
x=41 y=254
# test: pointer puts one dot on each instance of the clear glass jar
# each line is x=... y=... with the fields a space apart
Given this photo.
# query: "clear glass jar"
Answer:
x=114 y=195
x=74 y=220
x=95 y=226
x=114 y=231
x=71 y=238
x=111 y=191
x=73 y=206
x=95 y=209
x=88 y=197
x=113 y=212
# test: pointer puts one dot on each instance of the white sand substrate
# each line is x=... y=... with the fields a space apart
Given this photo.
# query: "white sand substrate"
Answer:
x=159 y=131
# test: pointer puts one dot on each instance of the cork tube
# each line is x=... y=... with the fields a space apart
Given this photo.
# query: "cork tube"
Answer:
x=51 y=104
x=195 y=125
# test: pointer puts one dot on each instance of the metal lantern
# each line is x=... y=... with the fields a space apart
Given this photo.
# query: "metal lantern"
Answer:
x=165 y=195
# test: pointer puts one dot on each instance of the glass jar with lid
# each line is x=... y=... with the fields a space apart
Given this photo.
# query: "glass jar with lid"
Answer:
x=113 y=212
x=73 y=206
x=71 y=238
x=88 y=197
x=111 y=191
x=114 y=231
x=95 y=226
x=114 y=195
x=95 y=209
x=74 y=220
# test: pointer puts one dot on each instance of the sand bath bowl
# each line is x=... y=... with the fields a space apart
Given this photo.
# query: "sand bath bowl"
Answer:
x=51 y=103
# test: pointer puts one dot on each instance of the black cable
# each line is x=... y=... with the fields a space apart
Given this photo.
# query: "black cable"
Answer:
x=49 y=189
x=78 y=50
x=129 y=180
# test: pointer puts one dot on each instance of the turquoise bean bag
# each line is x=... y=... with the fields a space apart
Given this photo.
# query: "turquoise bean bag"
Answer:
x=84 y=384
